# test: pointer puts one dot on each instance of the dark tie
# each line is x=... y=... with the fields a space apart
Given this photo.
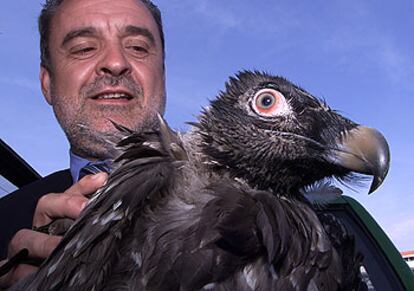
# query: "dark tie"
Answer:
x=94 y=168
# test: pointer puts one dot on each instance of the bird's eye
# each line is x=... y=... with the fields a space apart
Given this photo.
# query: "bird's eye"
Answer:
x=269 y=102
x=265 y=101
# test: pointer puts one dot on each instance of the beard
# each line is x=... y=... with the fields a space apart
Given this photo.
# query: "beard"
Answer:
x=94 y=144
x=90 y=132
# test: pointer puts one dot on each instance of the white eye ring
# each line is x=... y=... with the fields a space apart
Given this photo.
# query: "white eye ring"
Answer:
x=269 y=103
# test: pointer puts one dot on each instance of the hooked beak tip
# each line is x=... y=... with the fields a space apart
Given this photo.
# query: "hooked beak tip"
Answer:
x=364 y=150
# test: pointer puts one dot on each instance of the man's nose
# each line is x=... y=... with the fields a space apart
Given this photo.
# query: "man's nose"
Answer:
x=114 y=62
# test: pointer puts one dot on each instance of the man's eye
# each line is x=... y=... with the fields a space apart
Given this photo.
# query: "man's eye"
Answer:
x=83 y=51
x=139 y=51
x=139 y=48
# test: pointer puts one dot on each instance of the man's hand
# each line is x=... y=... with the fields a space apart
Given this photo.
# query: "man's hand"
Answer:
x=68 y=204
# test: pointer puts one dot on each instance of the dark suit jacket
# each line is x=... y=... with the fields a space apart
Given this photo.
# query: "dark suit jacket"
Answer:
x=17 y=208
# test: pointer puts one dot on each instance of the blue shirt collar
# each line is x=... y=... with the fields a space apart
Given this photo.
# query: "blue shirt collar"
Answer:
x=76 y=164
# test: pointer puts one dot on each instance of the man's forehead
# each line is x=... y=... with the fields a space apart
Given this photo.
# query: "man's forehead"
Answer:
x=96 y=4
x=75 y=14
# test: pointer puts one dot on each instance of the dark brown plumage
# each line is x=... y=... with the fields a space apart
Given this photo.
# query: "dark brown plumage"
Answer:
x=221 y=208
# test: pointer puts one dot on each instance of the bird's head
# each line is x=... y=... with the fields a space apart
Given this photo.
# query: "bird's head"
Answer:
x=273 y=134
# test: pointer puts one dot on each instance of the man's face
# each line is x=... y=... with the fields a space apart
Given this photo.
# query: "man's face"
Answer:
x=106 y=65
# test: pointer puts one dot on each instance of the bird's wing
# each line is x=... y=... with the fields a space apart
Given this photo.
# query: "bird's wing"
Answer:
x=269 y=243
x=187 y=252
x=245 y=240
x=88 y=251
x=344 y=243
x=298 y=249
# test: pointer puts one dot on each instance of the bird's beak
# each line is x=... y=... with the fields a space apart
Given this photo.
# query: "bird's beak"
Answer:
x=363 y=150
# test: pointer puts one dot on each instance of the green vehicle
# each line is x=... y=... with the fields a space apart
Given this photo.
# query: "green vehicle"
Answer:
x=383 y=267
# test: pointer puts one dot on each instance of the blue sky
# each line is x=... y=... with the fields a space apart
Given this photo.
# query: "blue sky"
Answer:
x=358 y=55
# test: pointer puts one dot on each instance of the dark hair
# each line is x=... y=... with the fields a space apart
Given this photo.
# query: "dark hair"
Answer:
x=48 y=11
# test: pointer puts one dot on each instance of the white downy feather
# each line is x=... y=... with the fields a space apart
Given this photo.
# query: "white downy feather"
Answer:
x=321 y=193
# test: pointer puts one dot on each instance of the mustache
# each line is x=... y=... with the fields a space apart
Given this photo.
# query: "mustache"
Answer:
x=103 y=82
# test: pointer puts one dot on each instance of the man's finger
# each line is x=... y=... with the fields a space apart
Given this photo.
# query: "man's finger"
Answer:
x=18 y=273
x=39 y=245
x=14 y=261
x=88 y=184
x=68 y=204
x=52 y=206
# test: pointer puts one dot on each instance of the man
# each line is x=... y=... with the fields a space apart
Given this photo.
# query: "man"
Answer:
x=101 y=61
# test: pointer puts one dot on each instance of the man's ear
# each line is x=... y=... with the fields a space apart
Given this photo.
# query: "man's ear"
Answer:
x=45 y=83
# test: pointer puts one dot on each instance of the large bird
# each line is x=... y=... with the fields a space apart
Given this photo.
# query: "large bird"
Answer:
x=222 y=206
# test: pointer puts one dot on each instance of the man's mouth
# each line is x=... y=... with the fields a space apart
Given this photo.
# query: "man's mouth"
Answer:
x=113 y=96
